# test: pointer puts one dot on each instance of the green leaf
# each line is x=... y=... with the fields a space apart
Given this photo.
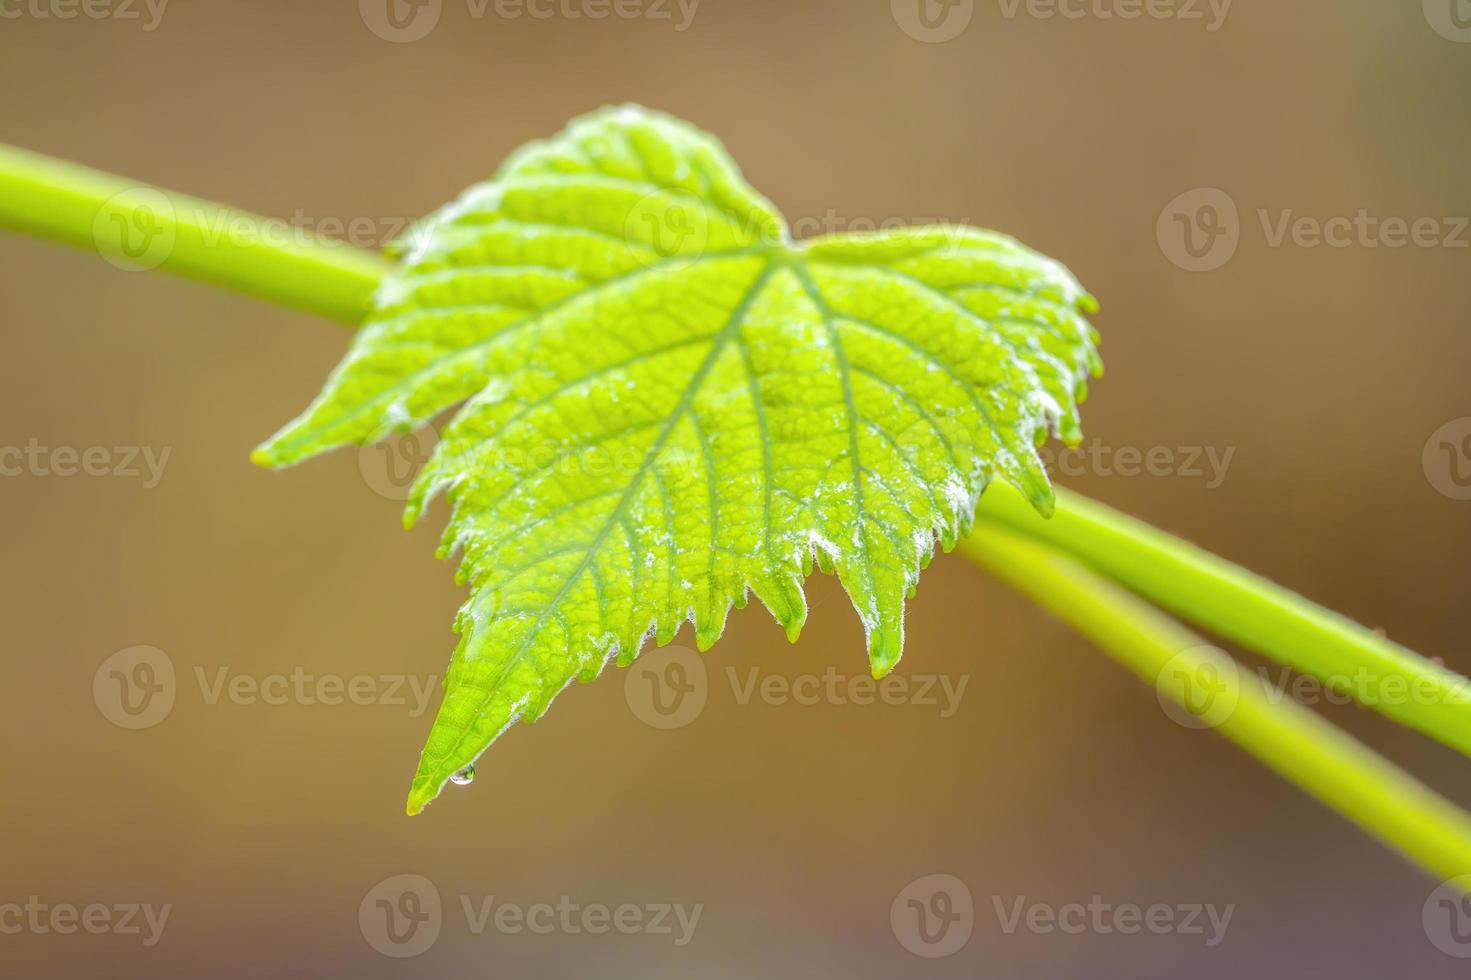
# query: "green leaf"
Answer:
x=672 y=405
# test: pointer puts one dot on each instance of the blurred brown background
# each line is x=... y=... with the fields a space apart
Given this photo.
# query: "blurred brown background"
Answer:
x=796 y=828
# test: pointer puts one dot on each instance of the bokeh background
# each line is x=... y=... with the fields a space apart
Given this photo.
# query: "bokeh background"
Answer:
x=1325 y=372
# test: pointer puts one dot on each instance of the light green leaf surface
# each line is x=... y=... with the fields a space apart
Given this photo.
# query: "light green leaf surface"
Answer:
x=672 y=405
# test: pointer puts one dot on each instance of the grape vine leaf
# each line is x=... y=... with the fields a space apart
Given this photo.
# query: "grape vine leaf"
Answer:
x=669 y=405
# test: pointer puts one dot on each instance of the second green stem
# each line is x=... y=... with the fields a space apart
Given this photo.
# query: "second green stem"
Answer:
x=1291 y=739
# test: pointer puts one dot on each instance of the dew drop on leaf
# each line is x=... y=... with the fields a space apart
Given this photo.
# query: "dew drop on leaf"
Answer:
x=464 y=777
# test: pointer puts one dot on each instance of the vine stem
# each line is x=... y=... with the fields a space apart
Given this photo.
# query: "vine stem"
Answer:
x=1287 y=737
x=143 y=227
x=1242 y=606
x=139 y=226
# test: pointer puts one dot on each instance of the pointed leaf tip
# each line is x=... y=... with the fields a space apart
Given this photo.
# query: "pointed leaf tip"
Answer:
x=1046 y=505
x=419 y=798
x=885 y=644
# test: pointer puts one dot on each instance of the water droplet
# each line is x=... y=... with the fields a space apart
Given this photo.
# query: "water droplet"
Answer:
x=464 y=777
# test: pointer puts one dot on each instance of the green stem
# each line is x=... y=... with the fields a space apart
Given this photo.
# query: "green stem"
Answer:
x=1347 y=776
x=1248 y=609
x=138 y=226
